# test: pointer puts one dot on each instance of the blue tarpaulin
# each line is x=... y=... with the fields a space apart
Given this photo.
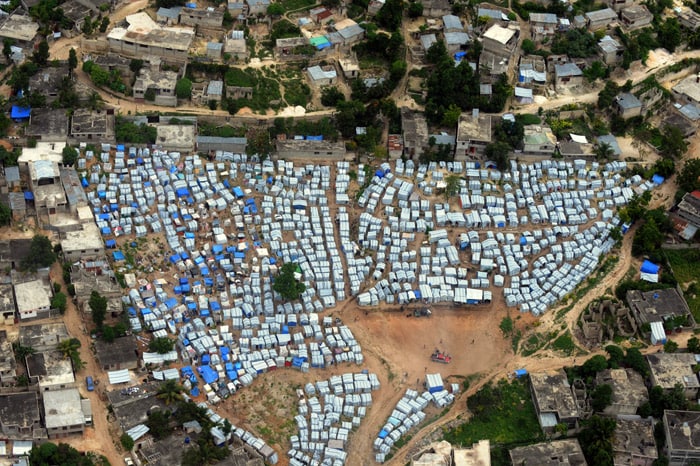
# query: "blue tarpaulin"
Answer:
x=170 y=303
x=20 y=113
x=182 y=192
x=208 y=374
x=238 y=192
x=118 y=255
x=383 y=434
x=28 y=196
x=657 y=179
x=520 y=373
x=649 y=267
x=111 y=244
x=314 y=138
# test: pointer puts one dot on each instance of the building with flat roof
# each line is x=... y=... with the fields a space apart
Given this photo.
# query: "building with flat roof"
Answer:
x=658 y=306
x=350 y=67
x=33 y=299
x=414 y=128
x=161 y=83
x=63 y=413
x=671 y=369
x=122 y=353
x=50 y=125
x=601 y=19
x=539 y=140
x=51 y=370
x=51 y=151
x=19 y=28
x=131 y=409
x=554 y=400
x=326 y=150
x=92 y=125
x=682 y=429
x=234 y=145
x=473 y=135
x=688 y=89
x=177 y=138
x=201 y=17
x=8 y=308
x=19 y=416
x=634 y=443
x=8 y=364
x=628 y=105
x=688 y=18
x=628 y=390
x=635 y=17
x=144 y=37
x=48 y=81
x=84 y=244
x=556 y=453
x=444 y=454
x=44 y=336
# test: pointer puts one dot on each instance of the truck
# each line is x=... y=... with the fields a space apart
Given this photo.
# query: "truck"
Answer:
x=440 y=357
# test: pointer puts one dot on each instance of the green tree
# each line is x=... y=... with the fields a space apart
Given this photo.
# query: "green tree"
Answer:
x=528 y=46
x=159 y=424
x=58 y=301
x=670 y=346
x=506 y=326
x=21 y=351
x=104 y=24
x=689 y=177
x=98 y=305
x=593 y=365
x=87 y=26
x=135 y=65
x=5 y=214
x=415 y=9
x=126 y=441
x=596 y=71
x=607 y=95
x=390 y=15
x=41 y=56
x=397 y=71
x=70 y=156
x=183 y=88
x=452 y=186
x=647 y=239
x=7 y=49
x=615 y=355
x=286 y=285
x=170 y=391
x=275 y=10
x=669 y=34
x=40 y=255
x=331 y=95
x=51 y=453
x=259 y=143
x=674 y=144
x=694 y=345
x=596 y=440
x=161 y=345
x=150 y=94
x=72 y=59
x=604 y=151
x=601 y=397
x=108 y=333
x=69 y=347
x=451 y=116
x=498 y=153
x=635 y=360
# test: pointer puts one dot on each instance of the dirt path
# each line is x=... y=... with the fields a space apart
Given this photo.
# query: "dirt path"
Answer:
x=98 y=438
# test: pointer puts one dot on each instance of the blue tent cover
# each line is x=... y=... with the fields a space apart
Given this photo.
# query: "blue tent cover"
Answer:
x=20 y=113
x=649 y=267
x=657 y=179
x=520 y=372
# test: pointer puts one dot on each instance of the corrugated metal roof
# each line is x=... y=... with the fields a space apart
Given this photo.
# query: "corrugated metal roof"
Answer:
x=137 y=432
x=12 y=174
x=156 y=358
x=220 y=140
x=567 y=69
x=44 y=169
x=121 y=376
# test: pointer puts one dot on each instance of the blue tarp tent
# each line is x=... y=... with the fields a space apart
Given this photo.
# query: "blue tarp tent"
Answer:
x=118 y=255
x=314 y=138
x=383 y=434
x=111 y=244
x=206 y=359
x=208 y=374
x=657 y=179
x=238 y=192
x=28 y=196
x=523 y=241
x=170 y=303
x=649 y=267
x=520 y=373
x=182 y=192
x=20 y=113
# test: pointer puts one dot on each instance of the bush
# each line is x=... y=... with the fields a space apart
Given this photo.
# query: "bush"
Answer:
x=126 y=441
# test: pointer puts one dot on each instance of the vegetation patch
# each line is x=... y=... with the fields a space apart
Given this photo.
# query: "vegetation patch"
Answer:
x=685 y=269
x=564 y=344
x=533 y=344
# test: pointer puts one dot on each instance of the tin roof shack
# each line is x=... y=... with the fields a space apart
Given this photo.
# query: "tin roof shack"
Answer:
x=48 y=125
x=350 y=32
x=21 y=29
x=215 y=91
x=323 y=150
x=395 y=146
x=51 y=370
x=19 y=416
x=567 y=76
x=84 y=244
x=415 y=132
x=627 y=105
x=689 y=208
x=161 y=83
x=539 y=140
x=177 y=138
x=670 y=369
x=8 y=365
x=7 y=309
x=658 y=306
x=555 y=453
x=131 y=406
x=143 y=37
x=199 y=17
x=92 y=125
x=63 y=413
x=209 y=144
x=122 y=353
x=473 y=135
x=322 y=76
x=554 y=400
x=452 y=23
x=601 y=19
x=634 y=443
x=682 y=430
x=33 y=299
x=43 y=337
x=48 y=81
x=214 y=50
x=532 y=69
x=628 y=390
x=543 y=25
x=688 y=90
x=635 y=17
x=688 y=18
x=499 y=44
x=168 y=16
x=611 y=50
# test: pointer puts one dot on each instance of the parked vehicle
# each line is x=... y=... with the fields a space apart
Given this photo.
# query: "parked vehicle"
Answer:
x=442 y=358
x=89 y=383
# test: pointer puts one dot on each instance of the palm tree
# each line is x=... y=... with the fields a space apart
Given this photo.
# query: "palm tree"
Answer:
x=22 y=351
x=170 y=391
x=69 y=347
x=604 y=151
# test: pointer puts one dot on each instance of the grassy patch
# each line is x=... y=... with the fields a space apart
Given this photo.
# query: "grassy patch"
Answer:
x=296 y=92
x=291 y=5
x=564 y=344
x=583 y=289
x=502 y=413
x=534 y=343
x=684 y=263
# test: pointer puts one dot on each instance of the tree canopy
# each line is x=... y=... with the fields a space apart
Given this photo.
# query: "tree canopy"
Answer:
x=5 y=214
x=161 y=345
x=70 y=156
x=40 y=255
x=689 y=177
x=183 y=88
x=286 y=284
x=50 y=453
x=98 y=305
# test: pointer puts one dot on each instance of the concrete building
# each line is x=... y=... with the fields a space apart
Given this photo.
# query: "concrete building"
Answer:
x=8 y=364
x=84 y=244
x=215 y=50
x=48 y=125
x=326 y=150
x=617 y=5
x=688 y=18
x=658 y=306
x=51 y=370
x=7 y=308
x=177 y=138
x=19 y=416
x=688 y=89
x=635 y=17
x=611 y=51
x=567 y=76
x=543 y=25
x=21 y=29
x=63 y=413
x=45 y=183
x=554 y=400
x=122 y=353
x=203 y=18
x=414 y=127
x=112 y=62
x=473 y=135
x=671 y=369
x=44 y=336
x=322 y=76
x=634 y=443
x=556 y=453
x=689 y=208
x=143 y=37
x=349 y=67
x=539 y=140
x=160 y=83
x=499 y=45
x=92 y=125
x=48 y=81
x=682 y=430
x=33 y=299
x=168 y=16
x=209 y=144
x=601 y=19
x=628 y=390
x=131 y=410
x=236 y=45
x=444 y=454
x=627 y=105
x=257 y=7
